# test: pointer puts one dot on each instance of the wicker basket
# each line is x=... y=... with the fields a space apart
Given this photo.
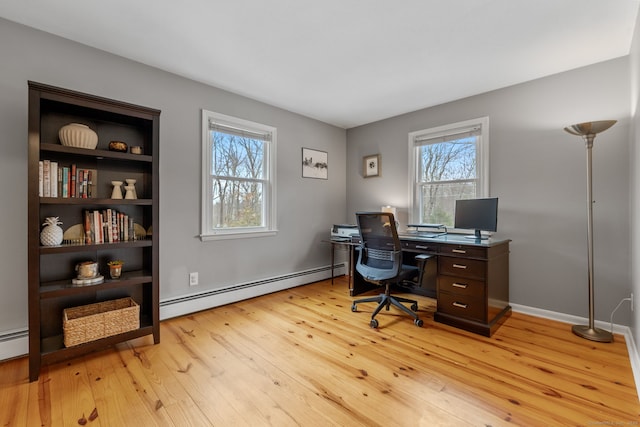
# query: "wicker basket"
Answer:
x=104 y=319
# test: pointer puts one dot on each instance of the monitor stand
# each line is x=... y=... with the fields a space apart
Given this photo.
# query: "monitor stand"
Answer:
x=477 y=236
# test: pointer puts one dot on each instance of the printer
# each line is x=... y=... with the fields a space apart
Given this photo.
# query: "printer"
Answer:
x=344 y=231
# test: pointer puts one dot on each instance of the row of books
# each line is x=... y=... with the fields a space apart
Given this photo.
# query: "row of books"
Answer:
x=107 y=226
x=66 y=181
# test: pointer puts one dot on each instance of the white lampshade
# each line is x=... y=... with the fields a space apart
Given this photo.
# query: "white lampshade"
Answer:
x=390 y=209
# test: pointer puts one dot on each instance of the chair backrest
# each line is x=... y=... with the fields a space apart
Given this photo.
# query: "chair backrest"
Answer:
x=380 y=255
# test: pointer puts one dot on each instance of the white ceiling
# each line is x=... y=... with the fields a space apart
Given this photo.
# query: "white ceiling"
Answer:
x=346 y=62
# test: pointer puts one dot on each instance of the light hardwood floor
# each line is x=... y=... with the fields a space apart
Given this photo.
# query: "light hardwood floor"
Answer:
x=301 y=357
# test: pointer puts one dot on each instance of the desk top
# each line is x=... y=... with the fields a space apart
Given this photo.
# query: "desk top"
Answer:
x=455 y=239
x=452 y=238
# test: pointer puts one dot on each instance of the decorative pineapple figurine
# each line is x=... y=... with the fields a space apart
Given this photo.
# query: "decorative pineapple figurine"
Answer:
x=51 y=234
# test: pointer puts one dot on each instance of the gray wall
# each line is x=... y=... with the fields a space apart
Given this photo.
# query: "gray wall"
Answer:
x=306 y=207
x=635 y=179
x=539 y=173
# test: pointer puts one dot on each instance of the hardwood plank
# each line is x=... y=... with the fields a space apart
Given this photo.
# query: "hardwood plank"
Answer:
x=71 y=381
x=14 y=393
x=301 y=357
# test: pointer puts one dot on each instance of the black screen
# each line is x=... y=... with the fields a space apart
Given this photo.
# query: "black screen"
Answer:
x=477 y=214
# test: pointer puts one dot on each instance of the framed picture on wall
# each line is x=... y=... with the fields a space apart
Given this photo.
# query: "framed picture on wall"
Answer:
x=371 y=166
x=315 y=164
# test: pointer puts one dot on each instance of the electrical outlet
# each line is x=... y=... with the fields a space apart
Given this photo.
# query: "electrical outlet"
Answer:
x=193 y=279
x=631 y=300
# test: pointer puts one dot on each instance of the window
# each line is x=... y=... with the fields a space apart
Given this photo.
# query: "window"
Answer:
x=447 y=163
x=238 y=178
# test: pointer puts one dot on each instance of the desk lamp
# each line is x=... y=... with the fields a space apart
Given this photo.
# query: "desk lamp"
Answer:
x=588 y=132
x=393 y=210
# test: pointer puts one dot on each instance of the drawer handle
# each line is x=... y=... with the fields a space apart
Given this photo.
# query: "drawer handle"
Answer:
x=460 y=285
x=459 y=305
x=458 y=251
x=459 y=266
x=422 y=247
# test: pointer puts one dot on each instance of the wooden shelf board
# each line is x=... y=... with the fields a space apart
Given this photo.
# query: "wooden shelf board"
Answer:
x=60 y=288
x=58 y=148
x=91 y=201
x=94 y=247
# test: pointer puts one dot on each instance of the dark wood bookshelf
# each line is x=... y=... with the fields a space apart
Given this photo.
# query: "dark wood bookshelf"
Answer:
x=52 y=268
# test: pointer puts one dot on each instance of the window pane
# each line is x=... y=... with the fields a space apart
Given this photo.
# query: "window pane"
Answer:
x=237 y=203
x=448 y=161
x=237 y=156
x=439 y=200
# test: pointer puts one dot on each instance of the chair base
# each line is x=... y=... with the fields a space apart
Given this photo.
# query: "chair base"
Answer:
x=385 y=301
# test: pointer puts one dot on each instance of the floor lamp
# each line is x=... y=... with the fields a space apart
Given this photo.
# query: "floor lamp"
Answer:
x=588 y=132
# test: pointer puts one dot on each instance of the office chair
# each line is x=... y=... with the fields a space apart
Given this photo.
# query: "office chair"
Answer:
x=380 y=262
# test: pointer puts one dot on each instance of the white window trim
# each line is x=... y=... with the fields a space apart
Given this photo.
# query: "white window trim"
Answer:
x=482 y=158
x=270 y=227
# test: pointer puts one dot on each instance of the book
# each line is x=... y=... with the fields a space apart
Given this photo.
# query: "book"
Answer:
x=53 y=180
x=46 y=182
x=116 y=230
x=40 y=178
x=90 y=184
x=97 y=227
x=109 y=221
x=72 y=189
x=65 y=182
x=85 y=178
x=125 y=228
x=88 y=238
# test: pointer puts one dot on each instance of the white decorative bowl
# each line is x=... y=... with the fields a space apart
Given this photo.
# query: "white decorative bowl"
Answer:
x=78 y=135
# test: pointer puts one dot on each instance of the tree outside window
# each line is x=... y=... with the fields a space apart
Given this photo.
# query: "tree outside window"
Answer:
x=237 y=181
x=239 y=177
x=447 y=163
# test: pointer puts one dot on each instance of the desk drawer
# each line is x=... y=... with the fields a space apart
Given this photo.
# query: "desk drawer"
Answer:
x=461 y=286
x=464 y=251
x=462 y=267
x=462 y=306
x=420 y=246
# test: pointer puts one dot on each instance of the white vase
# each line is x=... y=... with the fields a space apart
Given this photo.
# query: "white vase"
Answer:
x=117 y=190
x=78 y=135
x=129 y=194
x=132 y=183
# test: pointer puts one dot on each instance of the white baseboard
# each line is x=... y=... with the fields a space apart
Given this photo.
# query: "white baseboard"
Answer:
x=187 y=304
x=14 y=343
x=632 y=349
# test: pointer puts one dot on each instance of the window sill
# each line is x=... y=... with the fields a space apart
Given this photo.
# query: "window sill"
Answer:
x=237 y=235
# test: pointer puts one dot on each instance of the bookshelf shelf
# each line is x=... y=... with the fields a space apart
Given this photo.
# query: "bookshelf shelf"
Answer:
x=69 y=248
x=52 y=268
x=94 y=201
x=98 y=154
x=61 y=288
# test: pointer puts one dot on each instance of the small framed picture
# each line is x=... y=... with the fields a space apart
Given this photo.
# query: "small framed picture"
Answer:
x=371 y=166
x=315 y=164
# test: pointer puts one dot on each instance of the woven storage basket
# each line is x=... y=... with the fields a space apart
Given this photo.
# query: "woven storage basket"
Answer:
x=104 y=319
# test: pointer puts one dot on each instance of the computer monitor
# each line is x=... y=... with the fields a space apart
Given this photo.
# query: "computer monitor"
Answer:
x=477 y=214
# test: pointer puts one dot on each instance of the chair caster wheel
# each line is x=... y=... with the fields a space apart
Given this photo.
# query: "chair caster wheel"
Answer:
x=373 y=323
x=354 y=308
x=414 y=307
x=418 y=323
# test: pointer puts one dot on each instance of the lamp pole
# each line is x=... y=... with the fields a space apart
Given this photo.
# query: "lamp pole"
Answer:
x=588 y=132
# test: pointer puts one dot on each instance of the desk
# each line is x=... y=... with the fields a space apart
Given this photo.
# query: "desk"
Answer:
x=470 y=279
